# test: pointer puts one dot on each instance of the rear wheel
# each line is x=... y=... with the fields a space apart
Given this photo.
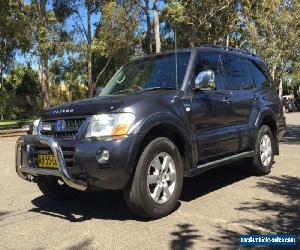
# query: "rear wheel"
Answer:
x=262 y=162
x=157 y=182
x=56 y=189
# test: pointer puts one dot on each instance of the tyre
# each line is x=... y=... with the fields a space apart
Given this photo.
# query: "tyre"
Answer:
x=262 y=162
x=156 y=185
x=55 y=189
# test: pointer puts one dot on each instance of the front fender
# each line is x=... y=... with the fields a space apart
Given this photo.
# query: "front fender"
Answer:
x=175 y=123
x=160 y=118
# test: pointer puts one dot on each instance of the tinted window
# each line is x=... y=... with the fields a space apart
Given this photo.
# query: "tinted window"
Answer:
x=238 y=73
x=211 y=62
x=260 y=78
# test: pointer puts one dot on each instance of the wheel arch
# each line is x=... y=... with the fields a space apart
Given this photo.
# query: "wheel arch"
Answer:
x=169 y=126
x=267 y=117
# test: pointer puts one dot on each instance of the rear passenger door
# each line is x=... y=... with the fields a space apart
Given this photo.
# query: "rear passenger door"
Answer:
x=244 y=98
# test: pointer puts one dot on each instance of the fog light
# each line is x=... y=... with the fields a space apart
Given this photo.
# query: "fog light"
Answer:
x=102 y=155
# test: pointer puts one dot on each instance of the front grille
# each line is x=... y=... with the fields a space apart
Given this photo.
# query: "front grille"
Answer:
x=68 y=153
x=64 y=128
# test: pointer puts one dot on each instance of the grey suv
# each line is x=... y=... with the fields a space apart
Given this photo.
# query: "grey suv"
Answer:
x=159 y=119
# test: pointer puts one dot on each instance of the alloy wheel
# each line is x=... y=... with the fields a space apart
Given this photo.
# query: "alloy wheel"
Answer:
x=161 y=178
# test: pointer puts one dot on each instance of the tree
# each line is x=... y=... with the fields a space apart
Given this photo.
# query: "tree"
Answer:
x=148 y=37
x=65 y=9
x=42 y=37
x=13 y=33
x=48 y=40
x=201 y=22
x=271 y=29
x=115 y=35
x=70 y=73
x=21 y=97
x=156 y=27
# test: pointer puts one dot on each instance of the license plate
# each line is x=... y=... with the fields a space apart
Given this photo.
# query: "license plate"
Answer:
x=47 y=161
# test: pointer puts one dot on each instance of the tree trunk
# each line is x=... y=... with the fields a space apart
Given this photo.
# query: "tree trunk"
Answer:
x=90 y=80
x=45 y=82
x=1 y=82
x=148 y=44
x=1 y=75
x=103 y=69
x=227 y=41
x=91 y=86
x=295 y=92
x=281 y=88
x=44 y=59
x=156 y=27
x=273 y=72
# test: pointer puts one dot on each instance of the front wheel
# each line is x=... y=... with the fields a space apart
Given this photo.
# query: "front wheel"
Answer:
x=262 y=162
x=157 y=181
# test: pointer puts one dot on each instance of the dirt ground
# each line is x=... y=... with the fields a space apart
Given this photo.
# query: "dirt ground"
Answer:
x=214 y=209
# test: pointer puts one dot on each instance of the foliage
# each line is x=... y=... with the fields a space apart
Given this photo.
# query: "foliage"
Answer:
x=201 y=22
x=76 y=45
x=21 y=97
x=70 y=75
x=271 y=29
x=115 y=35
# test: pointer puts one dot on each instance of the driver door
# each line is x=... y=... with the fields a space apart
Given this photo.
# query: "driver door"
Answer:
x=212 y=112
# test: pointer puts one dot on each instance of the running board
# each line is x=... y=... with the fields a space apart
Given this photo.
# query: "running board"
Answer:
x=204 y=167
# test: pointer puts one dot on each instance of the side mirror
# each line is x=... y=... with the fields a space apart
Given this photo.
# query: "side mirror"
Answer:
x=205 y=80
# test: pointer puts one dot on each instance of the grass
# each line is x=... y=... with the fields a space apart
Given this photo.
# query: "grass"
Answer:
x=13 y=124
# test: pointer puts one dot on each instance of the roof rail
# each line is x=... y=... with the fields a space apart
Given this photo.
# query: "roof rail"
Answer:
x=228 y=49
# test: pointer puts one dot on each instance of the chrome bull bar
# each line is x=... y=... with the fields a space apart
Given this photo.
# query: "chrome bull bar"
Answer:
x=62 y=170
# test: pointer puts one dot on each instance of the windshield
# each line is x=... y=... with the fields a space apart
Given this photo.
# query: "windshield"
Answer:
x=149 y=73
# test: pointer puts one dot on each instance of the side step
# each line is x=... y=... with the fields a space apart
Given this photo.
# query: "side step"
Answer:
x=204 y=167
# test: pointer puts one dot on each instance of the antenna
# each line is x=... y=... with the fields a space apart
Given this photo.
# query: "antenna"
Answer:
x=176 y=61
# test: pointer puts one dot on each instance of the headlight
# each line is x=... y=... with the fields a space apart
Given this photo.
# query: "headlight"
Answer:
x=110 y=125
x=36 y=127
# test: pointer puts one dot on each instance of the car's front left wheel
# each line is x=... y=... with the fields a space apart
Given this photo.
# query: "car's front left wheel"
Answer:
x=157 y=181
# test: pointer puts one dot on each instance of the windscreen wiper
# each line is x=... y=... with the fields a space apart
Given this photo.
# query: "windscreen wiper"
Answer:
x=123 y=91
x=163 y=88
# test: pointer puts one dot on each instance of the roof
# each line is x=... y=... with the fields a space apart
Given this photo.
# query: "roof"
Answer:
x=209 y=48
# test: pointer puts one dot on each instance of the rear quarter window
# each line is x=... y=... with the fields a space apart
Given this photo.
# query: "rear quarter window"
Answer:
x=260 y=78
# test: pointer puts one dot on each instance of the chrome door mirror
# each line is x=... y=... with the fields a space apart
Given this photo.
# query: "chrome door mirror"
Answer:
x=205 y=80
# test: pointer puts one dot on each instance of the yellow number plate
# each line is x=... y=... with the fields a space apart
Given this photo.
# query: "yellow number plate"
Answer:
x=47 y=161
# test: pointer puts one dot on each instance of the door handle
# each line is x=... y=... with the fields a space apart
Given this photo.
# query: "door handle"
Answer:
x=255 y=97
x=226 y=100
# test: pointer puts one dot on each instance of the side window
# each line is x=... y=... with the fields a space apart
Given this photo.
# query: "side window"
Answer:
x=211 y=62
x=260 y=79
x=238 y=73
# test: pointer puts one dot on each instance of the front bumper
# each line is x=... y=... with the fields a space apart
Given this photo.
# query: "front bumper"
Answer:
x=24 y=170
x=85 y=171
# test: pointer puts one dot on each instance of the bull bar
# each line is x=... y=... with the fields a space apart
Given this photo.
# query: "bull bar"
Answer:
x=62 y=170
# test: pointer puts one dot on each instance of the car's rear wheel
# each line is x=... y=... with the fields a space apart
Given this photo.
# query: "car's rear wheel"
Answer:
x=157 y=181
x=263 y=159
x=56 y=189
